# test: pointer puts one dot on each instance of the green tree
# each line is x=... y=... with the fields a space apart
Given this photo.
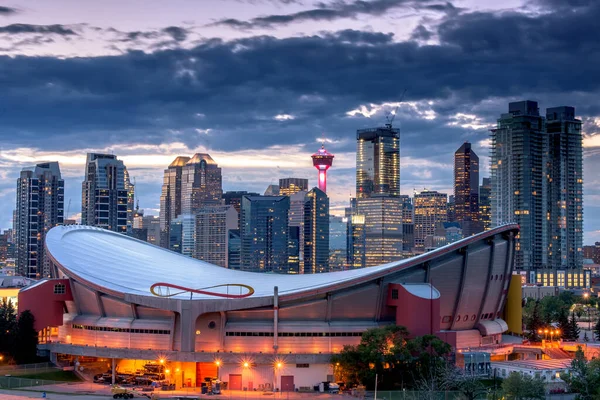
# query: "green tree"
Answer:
x=523 y=387
x=563 y=324
x=535 y=323
x=551 y=308
x=8 y=324
x=468 y=385
x=574 y=330
x=597 y=330
x=584 y=377
x=396 y=360
x=26 y=340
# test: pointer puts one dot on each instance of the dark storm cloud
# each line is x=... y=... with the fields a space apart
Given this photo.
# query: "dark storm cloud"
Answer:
x=236 y=88
x=327 y=12
x=421 y=33
x=44 y=29
x=177 y=33
x=5 y=11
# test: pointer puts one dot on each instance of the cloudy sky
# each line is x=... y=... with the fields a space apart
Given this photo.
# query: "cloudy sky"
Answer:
x=259 y=83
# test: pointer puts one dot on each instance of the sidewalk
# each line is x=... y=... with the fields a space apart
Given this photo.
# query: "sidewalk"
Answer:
x=88 y=389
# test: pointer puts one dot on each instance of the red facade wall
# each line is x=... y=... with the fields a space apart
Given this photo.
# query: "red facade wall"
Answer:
x=420 y=316
x=45 y=305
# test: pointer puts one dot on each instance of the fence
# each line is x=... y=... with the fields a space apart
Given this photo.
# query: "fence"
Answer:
x=415 y=395
x=11 y=382
x=30 y=367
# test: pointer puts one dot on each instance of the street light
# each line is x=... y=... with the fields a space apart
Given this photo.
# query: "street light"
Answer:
x=218 y=364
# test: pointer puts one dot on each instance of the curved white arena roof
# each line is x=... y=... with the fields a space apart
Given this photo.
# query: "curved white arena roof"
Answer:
x=122 y=264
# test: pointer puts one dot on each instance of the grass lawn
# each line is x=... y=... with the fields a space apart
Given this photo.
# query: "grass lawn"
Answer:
x=58 y=375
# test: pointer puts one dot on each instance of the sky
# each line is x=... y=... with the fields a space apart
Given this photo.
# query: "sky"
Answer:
x=259 y=84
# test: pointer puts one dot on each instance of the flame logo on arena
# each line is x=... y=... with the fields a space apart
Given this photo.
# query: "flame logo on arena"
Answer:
x=162 y=289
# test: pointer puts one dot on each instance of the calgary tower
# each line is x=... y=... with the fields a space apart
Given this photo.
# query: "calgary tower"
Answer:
x=322 y=160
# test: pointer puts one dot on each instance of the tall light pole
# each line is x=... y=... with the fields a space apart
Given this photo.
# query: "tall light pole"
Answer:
x=586 y=296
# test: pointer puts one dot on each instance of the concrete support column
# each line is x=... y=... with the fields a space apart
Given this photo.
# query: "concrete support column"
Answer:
x=275 y=317
x=188 y=324
x=113 y=370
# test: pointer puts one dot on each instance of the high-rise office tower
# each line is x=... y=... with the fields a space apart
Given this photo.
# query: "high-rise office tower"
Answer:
x=234 y=249
x=337 y=233
x=201 y=184
x=430 y=208
x=130 y=187
x=170 y=198
x=466 y=190
x=296 y=219
x=408 y=225
x=213 y=224
x=289 y=186
x=40 y=207
x=519 y=183
x=383 y=228
x=106 y=193
x=485 y=203
x=294 y=250
x=466 y=183
x=234 y=198
x=151 y=224
x=322 y=160
x=451 y=209
x=3 y=247
x=565 y=187
x=356 y=249
x=377 y=162
x=316 y=232
x=264 y=233
x=183 y=235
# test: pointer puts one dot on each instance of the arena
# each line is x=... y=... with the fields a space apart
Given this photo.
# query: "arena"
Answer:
x=129 y=304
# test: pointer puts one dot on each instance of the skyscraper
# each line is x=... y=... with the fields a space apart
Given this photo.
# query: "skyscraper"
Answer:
x=485 y=205
x=201 y=184
x=466 y=183
x=466 y=190
x=537 y=182
x=429 y=210
x=289 y=186
x=106 y=193
x=213 y=224
x=296 y=219
x=170 y=198
x=408 y=225
x=40 y=207
x=264 y=233
x=377 y=162
x=565 y=185
x=519 y=183
x=383 y=228
x=316 y=232
x=357 y=242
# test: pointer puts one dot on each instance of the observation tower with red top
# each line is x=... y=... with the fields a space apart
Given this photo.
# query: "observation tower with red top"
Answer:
x=322 y=160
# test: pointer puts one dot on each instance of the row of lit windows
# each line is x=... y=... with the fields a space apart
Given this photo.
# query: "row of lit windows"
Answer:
x=122 y=330
x=296 y=334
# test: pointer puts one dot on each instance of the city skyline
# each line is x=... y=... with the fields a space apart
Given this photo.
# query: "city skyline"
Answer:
x=253 y=122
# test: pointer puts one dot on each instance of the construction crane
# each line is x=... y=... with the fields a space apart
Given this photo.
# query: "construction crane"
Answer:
x=392 y=114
